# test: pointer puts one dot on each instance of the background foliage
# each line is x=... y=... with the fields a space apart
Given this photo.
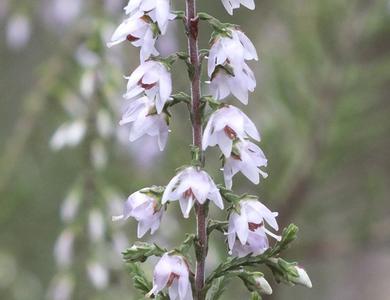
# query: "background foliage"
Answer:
x=322 y=106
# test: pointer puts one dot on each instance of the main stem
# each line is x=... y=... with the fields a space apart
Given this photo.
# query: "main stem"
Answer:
x=201 y=210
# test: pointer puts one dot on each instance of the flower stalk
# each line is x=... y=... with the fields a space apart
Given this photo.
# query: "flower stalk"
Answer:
x=192 y=22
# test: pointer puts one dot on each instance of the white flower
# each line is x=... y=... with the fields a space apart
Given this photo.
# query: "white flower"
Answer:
x=172 y=272
x=96 y=225
x=190 y=185
x=247 y=232
x=157 y=10
x=141 y=113
x=226 y=125
x=62 y=287
x=98 y=154
x=63 y=248
x=238 y=81
x=303 y=278
x=63 y=12
x=138 y=30
x=145 y=209
x=18 y=31
x=153 y=79
x=246 y=157
x=68 y=135
x=256 y=244
x=70 y=205
x=233 y=49
x=230 y=5
x=98 y=275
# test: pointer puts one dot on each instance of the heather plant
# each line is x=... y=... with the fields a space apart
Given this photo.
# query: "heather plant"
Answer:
x=249 y=224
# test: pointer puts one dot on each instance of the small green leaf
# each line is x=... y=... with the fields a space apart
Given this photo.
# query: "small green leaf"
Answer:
x=179 y=14
x=217 y=225
x=178 y=98
x=289 y=234
x=187 y=244
x=141 y=283
x=217 y=288
x=140 y=252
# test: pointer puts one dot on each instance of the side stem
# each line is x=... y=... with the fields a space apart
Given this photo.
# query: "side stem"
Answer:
x=201 y=210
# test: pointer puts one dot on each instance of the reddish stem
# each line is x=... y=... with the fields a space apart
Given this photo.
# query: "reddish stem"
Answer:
x=201 y=211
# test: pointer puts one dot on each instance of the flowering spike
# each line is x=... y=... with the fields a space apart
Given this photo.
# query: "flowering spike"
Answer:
x=149 y=95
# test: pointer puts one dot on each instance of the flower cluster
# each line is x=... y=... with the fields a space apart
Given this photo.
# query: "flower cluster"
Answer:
x=145 y=21
x=247 y=232
x=148 y=96
x=149 y=87
x=227 y=69
x=230 y=129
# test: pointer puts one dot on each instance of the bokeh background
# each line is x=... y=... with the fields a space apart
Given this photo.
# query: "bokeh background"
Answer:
x=322 y=105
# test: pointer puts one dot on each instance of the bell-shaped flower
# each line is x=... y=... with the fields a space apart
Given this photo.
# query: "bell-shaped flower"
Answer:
x=230 y=5
x=145 y=208
x=172 y=272
x=190 y=185
x=246 y=157
x=238 y=81
x=247 y=231
x=256 y=244
x=137 y=29
x=153 y=79
x=157 y=10
x=225 y=126
x=142 y=113
x=232 y=49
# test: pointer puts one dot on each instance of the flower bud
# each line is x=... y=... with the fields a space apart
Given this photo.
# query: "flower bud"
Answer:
x=303 y=278
x=255 y=282
x=263 y=285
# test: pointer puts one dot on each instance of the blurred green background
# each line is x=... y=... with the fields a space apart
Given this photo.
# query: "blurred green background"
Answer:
x=322 y=105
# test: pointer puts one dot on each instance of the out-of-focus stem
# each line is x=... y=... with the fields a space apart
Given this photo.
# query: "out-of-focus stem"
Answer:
x=201 y=210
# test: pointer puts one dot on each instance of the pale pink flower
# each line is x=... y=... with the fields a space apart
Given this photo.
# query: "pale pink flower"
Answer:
x=190 y=185
x=172 y=272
